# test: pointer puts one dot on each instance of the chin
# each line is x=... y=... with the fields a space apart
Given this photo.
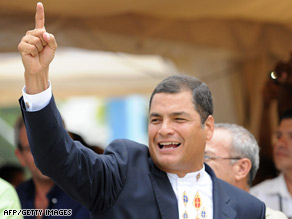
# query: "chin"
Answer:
x=43 y=177
x=169 y=166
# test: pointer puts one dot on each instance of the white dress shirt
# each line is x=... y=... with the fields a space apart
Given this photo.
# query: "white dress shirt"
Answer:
x=38 y=101
x=274 y=193
x=273 y=214
x=193 y=184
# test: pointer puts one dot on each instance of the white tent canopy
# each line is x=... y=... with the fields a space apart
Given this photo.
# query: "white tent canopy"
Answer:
x=83 y=72
x=229 y=44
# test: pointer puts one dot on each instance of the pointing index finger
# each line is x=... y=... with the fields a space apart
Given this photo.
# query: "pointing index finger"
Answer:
x=39 y=16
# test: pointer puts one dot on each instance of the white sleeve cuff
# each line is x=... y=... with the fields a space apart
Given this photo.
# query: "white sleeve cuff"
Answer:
x=38 y=101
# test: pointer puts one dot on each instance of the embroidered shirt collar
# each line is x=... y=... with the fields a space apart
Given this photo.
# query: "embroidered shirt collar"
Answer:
x=190 y=178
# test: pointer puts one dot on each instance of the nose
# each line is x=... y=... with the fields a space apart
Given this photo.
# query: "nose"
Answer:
x=166 y=128
x=281 y=141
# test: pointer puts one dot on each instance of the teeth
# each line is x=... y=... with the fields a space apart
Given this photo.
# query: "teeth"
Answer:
x=172 y=147
x=169 y=143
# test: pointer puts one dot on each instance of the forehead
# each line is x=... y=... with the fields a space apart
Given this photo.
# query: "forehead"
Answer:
x=286 y=125
x=22 y=133
x=220 y=141
x=179 y=100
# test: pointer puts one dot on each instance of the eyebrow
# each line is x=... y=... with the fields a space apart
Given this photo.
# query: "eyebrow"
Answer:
x=171 y=114
x=154 y=115
x=289 y=132
x=180 y=114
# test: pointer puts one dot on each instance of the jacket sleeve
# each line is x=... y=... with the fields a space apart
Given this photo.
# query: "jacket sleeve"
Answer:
x=92 y=179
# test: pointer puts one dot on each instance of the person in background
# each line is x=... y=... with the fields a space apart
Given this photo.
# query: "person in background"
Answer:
x=8 y=201
x=40 y=192
x=12 y=173
x=167 y=180
x=277 y=92
x=277 y=192
x=233 y=154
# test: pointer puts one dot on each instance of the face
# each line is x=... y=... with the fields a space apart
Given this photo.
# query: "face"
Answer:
x=176 y=137
x=283 y=146
x=219 y=146
x=25 y=157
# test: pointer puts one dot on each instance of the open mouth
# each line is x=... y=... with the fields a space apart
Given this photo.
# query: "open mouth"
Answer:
x=168 y=145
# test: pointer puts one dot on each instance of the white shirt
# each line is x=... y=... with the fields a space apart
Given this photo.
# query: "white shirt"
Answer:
x=274 y=193
x=38 y=101
x=273 y=214
x=193 y=185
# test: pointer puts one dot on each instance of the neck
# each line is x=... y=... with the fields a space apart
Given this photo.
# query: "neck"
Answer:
x=183 y=174
x=242 y=185
x=246 y=188
x=42 y=187
x=288 y=180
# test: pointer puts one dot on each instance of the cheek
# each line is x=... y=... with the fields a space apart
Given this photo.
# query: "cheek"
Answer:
x=214 y=168
x=290 y=145
x=152 y=130
x=275 y=148
x=196 y=135
x=217 y=167
x=151 y=136
x=29 y=160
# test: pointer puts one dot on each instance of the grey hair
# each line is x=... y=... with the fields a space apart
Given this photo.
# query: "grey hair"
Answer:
x=202 y=98
x=243 y=145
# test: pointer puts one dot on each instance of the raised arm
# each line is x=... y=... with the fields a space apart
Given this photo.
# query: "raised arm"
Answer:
x=37 y=49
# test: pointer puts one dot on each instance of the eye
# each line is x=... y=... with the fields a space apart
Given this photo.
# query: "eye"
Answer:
x=179 y=119
x=154 y=120
x=278 y=135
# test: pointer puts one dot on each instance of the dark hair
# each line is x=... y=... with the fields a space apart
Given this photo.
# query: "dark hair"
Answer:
x=286 y=115
x=9 y=171
x=17 y=126
x=202 y=97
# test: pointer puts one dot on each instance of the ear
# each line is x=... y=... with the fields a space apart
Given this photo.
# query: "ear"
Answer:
x=20 y=157
x=243 y=167
x=209 y=127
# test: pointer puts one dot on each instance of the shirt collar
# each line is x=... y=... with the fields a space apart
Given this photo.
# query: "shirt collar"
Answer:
x=190 y=178
x=279 y=186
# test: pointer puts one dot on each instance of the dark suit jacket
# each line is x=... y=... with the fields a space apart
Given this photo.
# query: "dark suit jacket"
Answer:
x=123 y=183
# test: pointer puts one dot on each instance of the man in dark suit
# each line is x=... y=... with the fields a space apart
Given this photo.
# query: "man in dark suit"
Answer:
x=168 y=180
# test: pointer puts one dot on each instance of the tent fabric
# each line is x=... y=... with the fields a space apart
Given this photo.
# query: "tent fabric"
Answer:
x=212 y=40
x=76 y=72
x=262 y=10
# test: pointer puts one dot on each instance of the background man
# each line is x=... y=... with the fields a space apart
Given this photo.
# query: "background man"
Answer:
x=40 y=192
x=233 y=154
x=167 y=180
x=12 y=173
x=277 y=192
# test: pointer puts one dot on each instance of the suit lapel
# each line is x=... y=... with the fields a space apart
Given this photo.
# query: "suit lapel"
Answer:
x=167 y=202
x=164 y=193
x=221 y=200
